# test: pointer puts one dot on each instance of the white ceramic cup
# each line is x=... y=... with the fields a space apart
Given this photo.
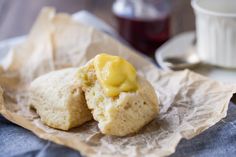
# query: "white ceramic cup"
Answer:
x=216 y=31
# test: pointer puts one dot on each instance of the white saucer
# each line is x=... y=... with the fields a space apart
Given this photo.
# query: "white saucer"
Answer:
x=178 y=45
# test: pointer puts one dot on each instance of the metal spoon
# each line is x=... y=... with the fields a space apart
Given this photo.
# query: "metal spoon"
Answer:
x=188 y=60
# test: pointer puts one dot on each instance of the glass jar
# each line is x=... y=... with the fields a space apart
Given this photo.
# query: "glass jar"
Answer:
x=145 y=24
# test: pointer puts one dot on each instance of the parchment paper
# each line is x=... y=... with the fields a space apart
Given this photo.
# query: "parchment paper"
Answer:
x=190 y=103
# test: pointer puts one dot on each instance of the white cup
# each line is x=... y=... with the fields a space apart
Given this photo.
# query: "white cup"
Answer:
x=216 y=31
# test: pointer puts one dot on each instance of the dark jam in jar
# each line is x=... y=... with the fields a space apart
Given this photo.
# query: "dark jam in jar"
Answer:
x=145 y=24
x=145 y=35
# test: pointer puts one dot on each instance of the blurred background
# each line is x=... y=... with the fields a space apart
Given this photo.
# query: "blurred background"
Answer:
x=17 y=16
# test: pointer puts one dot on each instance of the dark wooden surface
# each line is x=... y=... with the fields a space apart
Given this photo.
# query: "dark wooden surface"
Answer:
x=17 y=16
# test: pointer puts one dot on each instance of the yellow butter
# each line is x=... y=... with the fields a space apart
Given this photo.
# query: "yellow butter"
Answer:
x=115 y=74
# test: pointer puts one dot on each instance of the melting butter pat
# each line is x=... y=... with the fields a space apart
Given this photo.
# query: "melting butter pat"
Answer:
x=115 y=74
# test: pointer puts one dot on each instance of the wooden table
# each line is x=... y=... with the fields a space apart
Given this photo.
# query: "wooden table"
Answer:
x=17 y=16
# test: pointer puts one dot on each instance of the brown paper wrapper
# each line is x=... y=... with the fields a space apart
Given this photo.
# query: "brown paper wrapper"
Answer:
x=189 y=103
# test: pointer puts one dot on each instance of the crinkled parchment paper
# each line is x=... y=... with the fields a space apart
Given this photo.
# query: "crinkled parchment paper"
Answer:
x=190 y=103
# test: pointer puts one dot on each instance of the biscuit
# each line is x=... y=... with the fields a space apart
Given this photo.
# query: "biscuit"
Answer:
x=121 y=115
x=59 y=100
